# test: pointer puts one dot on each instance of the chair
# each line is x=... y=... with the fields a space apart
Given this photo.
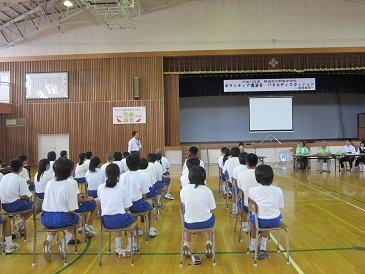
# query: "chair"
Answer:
x=44 y=229
x=229 y=189
x=154 y=205
x=126 y=229
x=241 y=211
x=146 y=221
x=14 y=214
x=220 y=181
x=184 y=229
x=254 y=210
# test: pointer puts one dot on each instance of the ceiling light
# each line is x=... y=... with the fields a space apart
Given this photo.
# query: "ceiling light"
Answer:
x=68 y=4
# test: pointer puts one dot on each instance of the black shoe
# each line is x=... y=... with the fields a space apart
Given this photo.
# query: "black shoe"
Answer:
x=72 y=241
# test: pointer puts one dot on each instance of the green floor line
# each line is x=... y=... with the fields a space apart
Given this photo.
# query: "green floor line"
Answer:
x=77 y=258
x=329 y=189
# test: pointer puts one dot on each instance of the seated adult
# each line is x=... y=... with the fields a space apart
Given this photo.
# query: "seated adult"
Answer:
x=360 y=160
x=346 y=157
x=324 y=151
x=301 y=151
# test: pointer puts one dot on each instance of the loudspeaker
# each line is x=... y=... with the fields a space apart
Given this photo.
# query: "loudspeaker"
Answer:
x=136 y=87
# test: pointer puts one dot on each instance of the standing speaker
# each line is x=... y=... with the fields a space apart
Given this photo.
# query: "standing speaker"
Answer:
x=136 y=87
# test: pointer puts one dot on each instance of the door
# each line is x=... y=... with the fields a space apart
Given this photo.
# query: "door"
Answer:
x=52 y=142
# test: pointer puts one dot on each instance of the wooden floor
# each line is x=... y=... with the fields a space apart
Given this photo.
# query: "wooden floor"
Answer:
x=325 y=214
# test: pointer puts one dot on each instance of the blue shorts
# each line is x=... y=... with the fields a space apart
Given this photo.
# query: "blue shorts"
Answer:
x=239 y=203
x=86 y=207
x=92 y=193
x=152 y=192
x=223 y=176
x=158 y=186
x=117 y=221
x=40 y=195
x=58 y=219
x=31 y=187
x=264 y=223
x=166 y=180
x=139 y=206
x=1 y=219
x=80 y=180
x=206 y=224
x=18 y=205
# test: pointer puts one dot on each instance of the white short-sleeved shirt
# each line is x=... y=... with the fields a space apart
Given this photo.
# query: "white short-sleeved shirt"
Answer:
x=348 y=149
x=50 y=168
x=269 y=200
x=122 y=166
x=134 y=182
x=81 y=170
x=245 y=181
x=40 y=185
x=184 y=180
x=60 y=196
x=12 y=186
x=165 y=164
x=134 y=145
x=95 y=179
x=148 y=176
x=113 y=200
x=185 y=168
x=25 y=174
x=1 y=176
x=87 y=161
x=229 y=165
x=103 y=167
x=220 y=162
x=124 y=160
x=156 y=171
x=198 y=203
x=237 y=170
x=159 y=167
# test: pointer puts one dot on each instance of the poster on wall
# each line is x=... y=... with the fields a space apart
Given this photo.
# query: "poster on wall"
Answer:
x=129 y=115
x=46 y=85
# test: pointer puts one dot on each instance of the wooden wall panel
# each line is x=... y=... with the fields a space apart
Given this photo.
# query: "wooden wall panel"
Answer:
x=6 y=108
x=172 y=109
x=95 y=87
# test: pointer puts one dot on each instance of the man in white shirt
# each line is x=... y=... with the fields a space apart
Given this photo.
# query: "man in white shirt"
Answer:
x=245 y=180
x=15 y=195
x=109 y=159
x=346 y=150
x=134 y=144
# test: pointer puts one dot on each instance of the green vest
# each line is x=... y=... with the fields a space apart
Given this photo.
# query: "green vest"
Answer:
x=321 y=150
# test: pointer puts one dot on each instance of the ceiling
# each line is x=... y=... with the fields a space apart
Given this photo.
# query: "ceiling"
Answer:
x=27 y=20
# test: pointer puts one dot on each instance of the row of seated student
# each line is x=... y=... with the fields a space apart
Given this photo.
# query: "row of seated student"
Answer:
x=54 y=184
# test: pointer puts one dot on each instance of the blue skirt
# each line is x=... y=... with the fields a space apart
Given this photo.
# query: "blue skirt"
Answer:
x=206 y=224
x=117 y=221
x=92 y=193
x=264 y=223
x=158 y=186
x=152 y=192
x=58 y=219
x=86 y=207
x=18 y=205
x=40 y=195
x=80 y=180
x=139 y=206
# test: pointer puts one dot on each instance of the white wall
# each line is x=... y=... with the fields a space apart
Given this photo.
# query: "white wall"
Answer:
x=217 y=24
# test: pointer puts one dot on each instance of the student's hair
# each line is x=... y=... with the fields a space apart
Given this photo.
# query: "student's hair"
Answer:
x=197 y=176
x=89 y=154
x=94 y=162
x=1 y=162
x=264 y=175
x=235 y=151
x=134 y=133
x=118 y=156
x=63 y=168
x=226 y=155
x=192 y=161
x=132 y=162
x=158 y=157
x=362 y=142
x=22 y=157
x=303 y=142
x=151 y=157
x=242 y=158
x=112 y=172
x=51 y=156
x=42 y=167
x=251 y=160
x=143 y=163
x=63 y=153
x=16 y=164
x=82 y=157
x=126 y=154
x=224 y=150
x=110 y=156
x=241 y=144
x=193 y=151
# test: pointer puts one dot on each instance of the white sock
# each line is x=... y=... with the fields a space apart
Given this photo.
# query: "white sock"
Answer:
x=68 y=238
x=130 y=242
x=245 y=224
x=253 y=243
x=209 y=242
x=50 y=239
x=118 y=242
x=263 y=243
x=187 y=243
x=9 y=241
